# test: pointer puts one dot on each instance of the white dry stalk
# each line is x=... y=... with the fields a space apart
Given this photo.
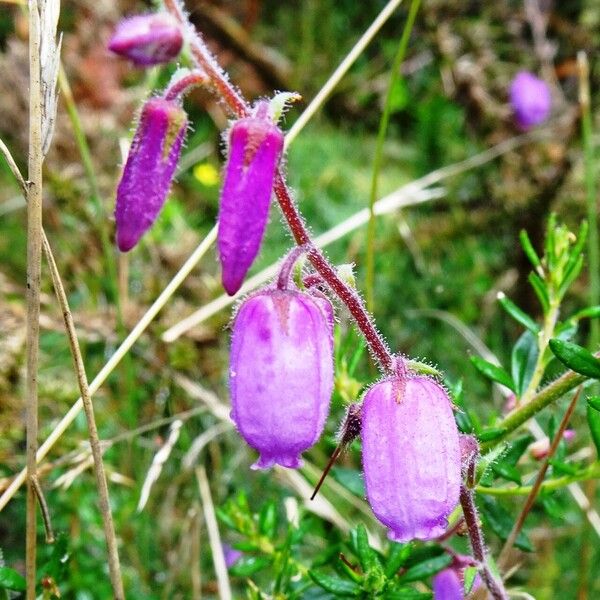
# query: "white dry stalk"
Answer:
x=50 y=60
x=160 y=458
x=214 y=537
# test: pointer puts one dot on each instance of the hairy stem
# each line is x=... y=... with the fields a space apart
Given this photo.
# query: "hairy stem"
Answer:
x=34 y=257
x=504 y=554
x=552 y=392
x=495 y=587
x=239 y=107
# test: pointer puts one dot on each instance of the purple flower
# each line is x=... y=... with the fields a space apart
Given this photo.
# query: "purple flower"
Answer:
x=281 y=373
x=231 y=555
x=255 y=145
x=149 y=169
x=411 y=456
x=530 y=100
x=447 y=585
x=147 y=39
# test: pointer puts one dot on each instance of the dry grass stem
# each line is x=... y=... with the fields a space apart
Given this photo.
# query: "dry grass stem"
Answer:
x=214 y=537
x=34 y=258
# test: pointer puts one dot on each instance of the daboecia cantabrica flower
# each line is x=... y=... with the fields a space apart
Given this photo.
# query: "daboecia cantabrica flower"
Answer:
x=281 y=373
x=530 y=99
x=147 y=39
x=254 y=150
x=149 y=169
x=411 y=456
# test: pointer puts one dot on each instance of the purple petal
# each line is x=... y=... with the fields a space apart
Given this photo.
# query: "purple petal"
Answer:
x=147 y=39
x=281 y=375
x=530 y=100
x=149 y=169
x=411 y=457
x=255 y=146
x=447 y=586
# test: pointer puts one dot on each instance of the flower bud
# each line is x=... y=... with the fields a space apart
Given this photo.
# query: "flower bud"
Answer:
x=147 y=39
x=255 y=145
x=447 y=586
x=530 y=100
x=281 y=374
x=149 y=169
x=411 y=456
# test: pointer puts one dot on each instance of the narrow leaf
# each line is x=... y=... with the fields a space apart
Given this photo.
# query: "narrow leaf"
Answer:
x=594 y=402
x=11 y=579
x=523 y=360
x=500 y=522
x=516 y=313
x=250 y=565
x=493 y=372
x=576 y=358
x=426 y=569
x=593 y=418
x=534 y=259
x=490 y=434
x=335 y=585
x=539 y=287
x=398 y=555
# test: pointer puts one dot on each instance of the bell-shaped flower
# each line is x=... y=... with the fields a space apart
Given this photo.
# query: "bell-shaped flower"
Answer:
x=149 y=170
x=281 y=373
x=411 y=456
x=447 y=585
x=255 y=146
x=147 y=39
x=530 y=99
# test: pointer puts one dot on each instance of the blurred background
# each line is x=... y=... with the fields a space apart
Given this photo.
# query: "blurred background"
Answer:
x=439 y=264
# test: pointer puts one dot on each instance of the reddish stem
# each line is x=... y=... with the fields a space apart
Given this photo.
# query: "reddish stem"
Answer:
x=240 y=108
x=183 y=84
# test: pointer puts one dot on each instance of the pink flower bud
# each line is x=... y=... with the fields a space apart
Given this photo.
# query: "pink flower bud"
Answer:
x=149 y=169
x=541 y=448
x=147 y=39
x=281 y=374
x=530 y=100
x=447 y=585
x=411 y=456
x=255 y=145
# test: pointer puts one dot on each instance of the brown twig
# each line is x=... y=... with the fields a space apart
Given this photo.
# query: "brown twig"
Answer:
x=37 y=488
x=504 y=554
x=34 y=259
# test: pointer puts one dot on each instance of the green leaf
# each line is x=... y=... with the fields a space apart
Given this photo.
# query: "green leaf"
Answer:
x=469 y=575
x=425 y=569
x=593 y=418
x=399 y=95
x=539 y=287
x=267 y=520
x=249 y=565
x=523 y=360
x=571 y=273
x=366 y=555
x=594 y=402
x=11 y=580
x=562 y=467
x=407 y=594
x=552 y=507
x=500 y=522
x=490 y=434
x=335 y=585
x=487 y=460
x=516 y=313
x=507 y=471
x=576 y=358
x=493 y=372
x=591 y=312
x=534 y=259
x=398 y=555
x=515 y=449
